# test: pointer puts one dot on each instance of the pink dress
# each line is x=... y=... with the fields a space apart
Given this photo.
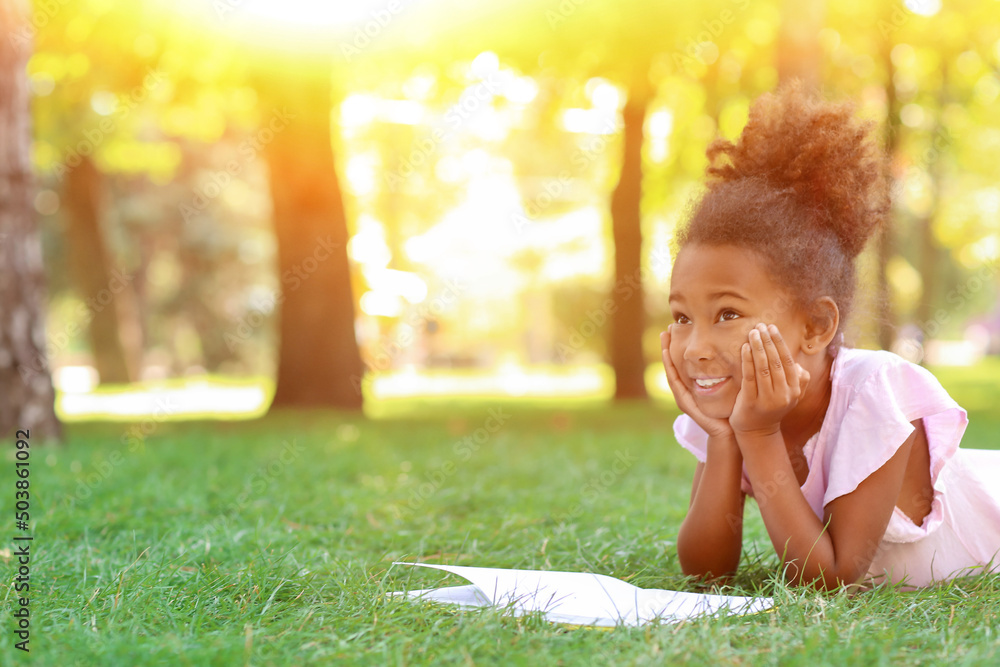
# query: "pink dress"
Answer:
x=874 y=398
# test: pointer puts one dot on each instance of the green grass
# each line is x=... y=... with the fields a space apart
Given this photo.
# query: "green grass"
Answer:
x=206 y=547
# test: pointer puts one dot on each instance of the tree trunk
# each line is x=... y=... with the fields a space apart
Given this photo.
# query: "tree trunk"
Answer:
x=629 y=320
x=26 y=394
x=318 y=360
x=931 y=253
x=886 y=324
x=799 y=53
x=100 y=288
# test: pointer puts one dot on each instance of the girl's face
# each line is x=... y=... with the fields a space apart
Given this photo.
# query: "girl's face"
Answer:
x=717 y=294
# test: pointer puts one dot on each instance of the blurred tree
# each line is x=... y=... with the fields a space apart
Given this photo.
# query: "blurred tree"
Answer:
x=162 y=105
x=885 y=327
x=28 y=400
x=602 y=39
x=83 y=82
x=932 y=260
x=927 y=71
x=91 y=266
x=629 y=322
x=318 y=354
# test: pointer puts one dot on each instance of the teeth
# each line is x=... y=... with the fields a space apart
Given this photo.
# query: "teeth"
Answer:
x=709 y=383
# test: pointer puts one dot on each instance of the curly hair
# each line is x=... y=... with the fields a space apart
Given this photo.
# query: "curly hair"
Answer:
x=805 y=186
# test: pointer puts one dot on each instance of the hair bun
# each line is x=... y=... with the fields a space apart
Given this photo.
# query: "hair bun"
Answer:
x=819 y=152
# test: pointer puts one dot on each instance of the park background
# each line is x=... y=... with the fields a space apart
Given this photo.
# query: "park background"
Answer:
x=385 y=280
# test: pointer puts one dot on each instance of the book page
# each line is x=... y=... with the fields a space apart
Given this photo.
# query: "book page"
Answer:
x=580 y=598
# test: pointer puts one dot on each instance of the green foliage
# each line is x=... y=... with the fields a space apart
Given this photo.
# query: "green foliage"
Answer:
x=164 y=96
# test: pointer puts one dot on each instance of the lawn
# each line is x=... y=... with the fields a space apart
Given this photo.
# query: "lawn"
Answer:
x=270 y=542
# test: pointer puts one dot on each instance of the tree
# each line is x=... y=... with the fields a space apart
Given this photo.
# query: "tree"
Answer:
x=576 y=41
x=75 y=141
x=626 y=222
x=318 y=362
x=884 y=243
x=28 y=397
x=90 y=265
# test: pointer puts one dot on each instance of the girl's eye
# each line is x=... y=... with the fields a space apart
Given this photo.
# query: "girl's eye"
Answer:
x=681 y=319
x=728 y=315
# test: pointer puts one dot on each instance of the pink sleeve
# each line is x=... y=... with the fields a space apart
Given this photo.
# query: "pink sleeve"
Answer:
x=691 y=437
x=877 y=422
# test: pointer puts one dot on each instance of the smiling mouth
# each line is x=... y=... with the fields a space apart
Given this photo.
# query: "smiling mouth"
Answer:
x=705 y=386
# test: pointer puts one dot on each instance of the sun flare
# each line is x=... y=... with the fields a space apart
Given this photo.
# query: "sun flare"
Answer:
x=314 y=13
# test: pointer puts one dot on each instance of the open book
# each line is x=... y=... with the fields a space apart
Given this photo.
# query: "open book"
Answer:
x=578 y=598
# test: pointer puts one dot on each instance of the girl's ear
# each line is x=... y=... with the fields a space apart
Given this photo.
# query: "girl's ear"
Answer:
x=821 y=326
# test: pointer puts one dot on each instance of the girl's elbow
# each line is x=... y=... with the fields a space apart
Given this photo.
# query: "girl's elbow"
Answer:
x=828 y=579
x=709 y=576
x=705 y=569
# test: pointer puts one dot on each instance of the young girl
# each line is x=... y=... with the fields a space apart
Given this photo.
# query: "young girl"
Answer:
x=852 y=455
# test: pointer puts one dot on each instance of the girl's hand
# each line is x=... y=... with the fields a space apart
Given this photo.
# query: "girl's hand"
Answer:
x=685 y=401
x=772 y=383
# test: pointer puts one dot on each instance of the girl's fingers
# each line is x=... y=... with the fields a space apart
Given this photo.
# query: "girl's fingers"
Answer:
x=791 y=368
x=673 y=377
x=777 y=367
x=782 y=347
x=665 y=350
x=749 y=386
x=760 y=362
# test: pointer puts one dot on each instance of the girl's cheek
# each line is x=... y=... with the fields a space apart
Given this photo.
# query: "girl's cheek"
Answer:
x=735 y=347
x=732 y=354
x=676 y=355
x=677 y=352
x=746 y=331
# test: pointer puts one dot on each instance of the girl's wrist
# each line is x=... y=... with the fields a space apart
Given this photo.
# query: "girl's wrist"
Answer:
x=724 y=444
x=719 y=430
x=760 y=447
x=757 y=434
x=728 y=438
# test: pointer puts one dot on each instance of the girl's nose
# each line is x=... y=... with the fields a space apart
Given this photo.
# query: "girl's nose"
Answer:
x=699 y=347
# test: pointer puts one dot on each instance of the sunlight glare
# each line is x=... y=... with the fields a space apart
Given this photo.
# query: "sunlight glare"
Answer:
x=311 y=13
x=177 y=401
x=75 y=379
x=408 y=285
x=923 y=7
x=381 y=303
x=368 y=247
x=603 y=94
x=590 y=121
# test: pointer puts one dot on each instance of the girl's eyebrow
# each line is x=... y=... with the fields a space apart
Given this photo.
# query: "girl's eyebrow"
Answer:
x=674 y=296
x=736 y=295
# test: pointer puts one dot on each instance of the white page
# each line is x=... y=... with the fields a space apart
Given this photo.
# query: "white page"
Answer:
x=581 y=598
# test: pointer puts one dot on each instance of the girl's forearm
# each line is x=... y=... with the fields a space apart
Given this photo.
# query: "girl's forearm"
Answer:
x=711 y=537
x=797 y=534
